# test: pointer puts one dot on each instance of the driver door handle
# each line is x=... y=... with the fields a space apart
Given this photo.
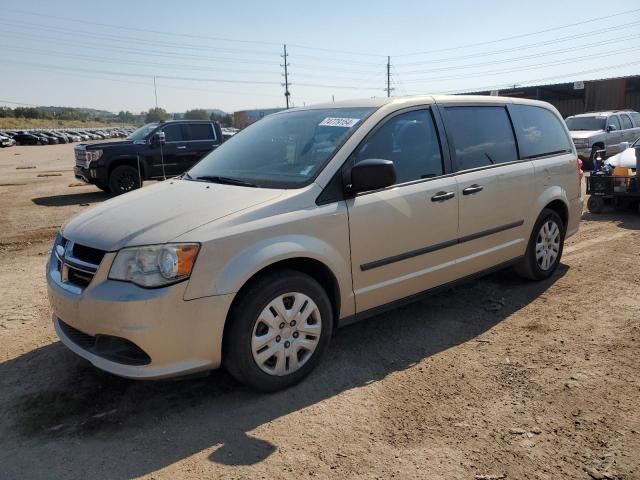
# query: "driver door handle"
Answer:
x=182 y=147
x=472 y=189
x=442 y=196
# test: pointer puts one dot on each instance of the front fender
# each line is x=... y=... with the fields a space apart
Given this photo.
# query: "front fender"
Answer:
x=231 y=276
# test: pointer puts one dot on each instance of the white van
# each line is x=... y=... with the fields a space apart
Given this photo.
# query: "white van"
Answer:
x=308 y=220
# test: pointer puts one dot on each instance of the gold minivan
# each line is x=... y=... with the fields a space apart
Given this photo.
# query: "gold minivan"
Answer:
x=308 y=220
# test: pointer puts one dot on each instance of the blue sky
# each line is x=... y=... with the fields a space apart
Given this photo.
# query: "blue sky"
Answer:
x=227 y=54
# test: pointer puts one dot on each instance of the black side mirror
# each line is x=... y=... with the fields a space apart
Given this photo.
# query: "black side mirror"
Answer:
x=611 y=128
x=372 y=174
x=159 y=138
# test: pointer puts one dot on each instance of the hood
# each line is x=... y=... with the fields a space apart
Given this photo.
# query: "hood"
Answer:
x=103 y=145
x=626 y=158
x=160 y=213
x=585 y=133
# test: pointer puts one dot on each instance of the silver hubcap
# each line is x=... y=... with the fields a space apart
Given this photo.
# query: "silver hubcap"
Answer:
x=286 y=334
x=548 y=245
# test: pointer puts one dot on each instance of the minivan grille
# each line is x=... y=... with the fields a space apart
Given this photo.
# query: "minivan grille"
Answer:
x=77 y=263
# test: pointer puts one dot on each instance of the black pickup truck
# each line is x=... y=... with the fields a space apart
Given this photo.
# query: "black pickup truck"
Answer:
x=155 y=151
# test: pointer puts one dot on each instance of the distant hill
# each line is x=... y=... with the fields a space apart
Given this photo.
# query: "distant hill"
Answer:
x=90 y=111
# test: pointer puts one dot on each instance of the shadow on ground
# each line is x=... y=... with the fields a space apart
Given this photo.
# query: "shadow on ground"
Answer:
x=628 y=219
x=56 y=406
x=71 y=199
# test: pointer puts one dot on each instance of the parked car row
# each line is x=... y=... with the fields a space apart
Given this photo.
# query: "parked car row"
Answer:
x=56 y=136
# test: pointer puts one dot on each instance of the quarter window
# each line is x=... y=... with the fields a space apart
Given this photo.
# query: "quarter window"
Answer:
x=482 y=136
x=636 y=118
x=411 y=142
x=173 y=133
x=539 y=132
x=200 y=131
x=626 y=122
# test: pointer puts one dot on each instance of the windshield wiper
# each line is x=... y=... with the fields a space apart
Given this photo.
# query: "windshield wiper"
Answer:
x=226 y=180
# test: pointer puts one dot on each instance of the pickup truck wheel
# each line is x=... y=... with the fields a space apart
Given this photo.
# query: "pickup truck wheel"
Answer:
x=123 y=179
x=279 y=327
x=595 y=204
x=545 y=247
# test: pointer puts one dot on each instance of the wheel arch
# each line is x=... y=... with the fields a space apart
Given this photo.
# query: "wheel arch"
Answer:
x=131 y=161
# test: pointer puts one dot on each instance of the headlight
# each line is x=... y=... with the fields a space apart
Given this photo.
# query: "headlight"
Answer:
x=92 y=156
x=581 y=142
x=154 y=265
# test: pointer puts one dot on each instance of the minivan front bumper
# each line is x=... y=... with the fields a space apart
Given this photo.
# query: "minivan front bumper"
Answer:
x=176 y=337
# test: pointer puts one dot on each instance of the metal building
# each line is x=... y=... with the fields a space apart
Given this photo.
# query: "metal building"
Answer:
x=579 y=97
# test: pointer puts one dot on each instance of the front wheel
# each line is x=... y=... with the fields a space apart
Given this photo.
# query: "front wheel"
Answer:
x=123 y=179
x=545 y=247
x=279 y=327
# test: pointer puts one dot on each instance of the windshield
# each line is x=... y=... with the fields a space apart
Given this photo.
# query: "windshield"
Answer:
x=284 y=150
x=585 y=123
x=142 y=132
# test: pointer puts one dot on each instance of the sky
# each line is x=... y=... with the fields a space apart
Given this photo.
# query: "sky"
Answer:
x=227 y=55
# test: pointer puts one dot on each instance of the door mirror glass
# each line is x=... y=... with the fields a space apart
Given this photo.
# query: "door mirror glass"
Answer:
x=611 y=128
x=372 y=174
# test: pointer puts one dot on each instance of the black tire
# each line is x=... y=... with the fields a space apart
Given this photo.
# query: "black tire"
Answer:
x=123 y=179
x=589 y=164
x=595 y=204
x=529 y=267
x=243 y=321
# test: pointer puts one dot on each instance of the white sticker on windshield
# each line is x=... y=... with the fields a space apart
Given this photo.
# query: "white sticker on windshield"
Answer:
x=338 y=122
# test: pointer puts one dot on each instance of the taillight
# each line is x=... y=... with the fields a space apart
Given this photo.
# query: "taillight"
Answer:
x=580 y=172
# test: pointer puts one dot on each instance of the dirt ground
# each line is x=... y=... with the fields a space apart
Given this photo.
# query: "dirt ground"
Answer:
x=499 y=378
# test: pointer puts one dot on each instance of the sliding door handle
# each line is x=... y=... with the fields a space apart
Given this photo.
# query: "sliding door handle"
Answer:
x=472 y=189
x=442 y=196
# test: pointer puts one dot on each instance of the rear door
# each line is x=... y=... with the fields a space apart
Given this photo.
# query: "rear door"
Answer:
x=402 y=237
x=614 y=137
x=629 y=132
x=494 y=185
x=202 y=139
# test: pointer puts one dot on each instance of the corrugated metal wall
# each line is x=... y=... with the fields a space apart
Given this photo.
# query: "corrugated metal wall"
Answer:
x=605 y=95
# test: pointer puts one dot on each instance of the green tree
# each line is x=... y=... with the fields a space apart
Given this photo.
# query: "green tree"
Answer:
x=196 y=114
x=225 y=120
x=156 y=115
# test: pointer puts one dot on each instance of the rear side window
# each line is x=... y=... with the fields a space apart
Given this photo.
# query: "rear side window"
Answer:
x=636 y=118
x=626 y=121
x=173 y=133
x=482 y=135
x=200 y=132
x=539 y=132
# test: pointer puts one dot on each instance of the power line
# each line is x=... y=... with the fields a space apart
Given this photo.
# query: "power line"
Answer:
x=523 y=35
x=185 y=78
x=523 y=47
x=522 y=68
x=183 y=35
x=518 y=58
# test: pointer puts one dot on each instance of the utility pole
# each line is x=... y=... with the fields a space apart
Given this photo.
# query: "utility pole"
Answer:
x=388 y=76
x=155 y=90
x=286 y=76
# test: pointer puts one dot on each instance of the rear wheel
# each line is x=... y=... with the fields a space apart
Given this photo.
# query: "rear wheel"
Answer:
x=278 y=330
x=545 y=247
x=595 y=204
x=123 y=179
